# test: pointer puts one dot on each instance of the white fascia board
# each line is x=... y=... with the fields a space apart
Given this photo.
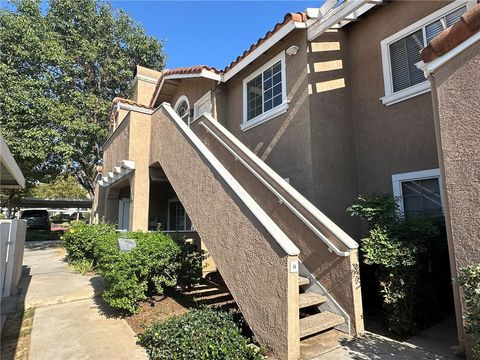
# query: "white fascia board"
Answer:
x=358 y=7
x=433 y=65
x=204 y=74
x=129 y=107
x=6 y=158
x=280 y=34
x=144 y=78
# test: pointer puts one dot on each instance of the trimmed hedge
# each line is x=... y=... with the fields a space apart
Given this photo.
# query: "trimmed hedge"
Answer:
x=156 y=263
x=199 y=334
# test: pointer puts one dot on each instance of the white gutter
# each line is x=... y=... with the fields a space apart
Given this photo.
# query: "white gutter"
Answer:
x=432 y=66
x=7 y=160
x=307 y=205
x=283 y=241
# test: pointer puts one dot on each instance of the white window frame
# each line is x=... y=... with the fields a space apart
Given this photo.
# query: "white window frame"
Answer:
x=398 y=179
x=392 y=97
x=277 y=110
x=179 y=101
x=207 y=98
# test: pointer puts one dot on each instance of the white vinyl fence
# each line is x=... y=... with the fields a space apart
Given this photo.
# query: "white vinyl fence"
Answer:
x=12 y=242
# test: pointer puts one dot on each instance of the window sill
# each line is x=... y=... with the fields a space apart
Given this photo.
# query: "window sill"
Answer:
x=405 y=94
x=270 y=114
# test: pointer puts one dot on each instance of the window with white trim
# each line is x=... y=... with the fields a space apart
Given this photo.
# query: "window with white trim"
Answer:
x=203 y=106
x=419 y=192
x=182 y=108
x=265 y=93
x=401 y=53
x=178 y=219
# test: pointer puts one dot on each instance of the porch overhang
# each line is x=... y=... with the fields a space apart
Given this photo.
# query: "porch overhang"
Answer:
x=11 y=176
x=118 y=174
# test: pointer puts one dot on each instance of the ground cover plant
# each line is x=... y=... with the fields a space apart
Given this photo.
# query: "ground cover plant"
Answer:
x=400 y=254
x=158 y=262
x=199 y=334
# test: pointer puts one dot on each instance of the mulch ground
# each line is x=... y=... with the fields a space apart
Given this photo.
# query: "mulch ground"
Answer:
x=161 y=308
x=16 y=335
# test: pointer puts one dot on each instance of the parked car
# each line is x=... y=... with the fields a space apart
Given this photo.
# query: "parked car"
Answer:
x=36 y=219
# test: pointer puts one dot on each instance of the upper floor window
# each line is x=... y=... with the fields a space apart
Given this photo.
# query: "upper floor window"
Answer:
x=182 y=108
x=401 y=53
x=419 y=192
x=264 y=93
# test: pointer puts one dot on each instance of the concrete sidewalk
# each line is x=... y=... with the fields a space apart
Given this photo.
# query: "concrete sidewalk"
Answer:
x=71 y=321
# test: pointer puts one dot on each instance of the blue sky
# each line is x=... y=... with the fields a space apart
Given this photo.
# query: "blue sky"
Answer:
x=208 y=32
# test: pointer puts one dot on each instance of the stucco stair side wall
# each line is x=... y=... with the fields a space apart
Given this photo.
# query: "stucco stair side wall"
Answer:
x=339 y=275
x=389 y=139
x=117 y=147
x=252 y=264
x=139 y=151
x=332 y=130
x=284 y=141
x=456 y=99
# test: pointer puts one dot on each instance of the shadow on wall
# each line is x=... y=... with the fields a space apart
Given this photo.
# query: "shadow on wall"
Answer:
x=326 y=70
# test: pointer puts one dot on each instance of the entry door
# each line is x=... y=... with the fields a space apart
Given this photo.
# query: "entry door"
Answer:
x=123 y=214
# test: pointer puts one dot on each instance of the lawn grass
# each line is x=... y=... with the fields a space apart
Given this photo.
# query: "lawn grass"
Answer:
x=16 y=335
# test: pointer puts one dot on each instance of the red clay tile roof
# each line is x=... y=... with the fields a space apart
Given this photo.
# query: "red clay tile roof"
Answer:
x=125 y=101
x=297 y=17
x=181 y=71
x=467 y=26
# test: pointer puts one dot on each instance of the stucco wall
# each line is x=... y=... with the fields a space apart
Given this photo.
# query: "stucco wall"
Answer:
x=389 y=139
x=456 y=100
x=283 y=142
x=116 y=148
x=193 y=89
x=253 y=265
x=332 y=131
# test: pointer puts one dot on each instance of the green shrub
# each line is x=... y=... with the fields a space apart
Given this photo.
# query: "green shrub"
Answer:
x=80 y=239
x=199 y=334
x=400 y=249
x=469 y=280
x=156 y=263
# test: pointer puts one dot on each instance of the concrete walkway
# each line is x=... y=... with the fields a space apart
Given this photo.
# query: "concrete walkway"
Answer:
x=70 y=321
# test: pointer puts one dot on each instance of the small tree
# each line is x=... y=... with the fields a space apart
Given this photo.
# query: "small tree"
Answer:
x=400 y=249
x=59 y=71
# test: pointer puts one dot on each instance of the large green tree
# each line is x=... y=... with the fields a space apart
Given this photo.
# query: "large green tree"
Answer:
x=60 y=67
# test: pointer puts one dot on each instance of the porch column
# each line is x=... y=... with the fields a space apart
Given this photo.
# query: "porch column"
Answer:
x=140 y=196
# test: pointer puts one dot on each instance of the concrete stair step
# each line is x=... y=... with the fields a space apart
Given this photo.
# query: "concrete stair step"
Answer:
x=319 y=322
x=309 y=299
x=303 y=281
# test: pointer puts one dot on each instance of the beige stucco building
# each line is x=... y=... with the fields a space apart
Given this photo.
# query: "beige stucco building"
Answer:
x=259 y=161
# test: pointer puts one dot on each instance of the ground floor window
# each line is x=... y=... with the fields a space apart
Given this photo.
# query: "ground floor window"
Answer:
x=178 y=219
x=419 y=192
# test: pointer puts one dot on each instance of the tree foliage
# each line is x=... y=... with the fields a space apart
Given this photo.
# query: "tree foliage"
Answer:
x=59 y=70
x=66 y=187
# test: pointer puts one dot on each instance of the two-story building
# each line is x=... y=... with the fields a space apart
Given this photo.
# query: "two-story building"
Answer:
x=259 y=161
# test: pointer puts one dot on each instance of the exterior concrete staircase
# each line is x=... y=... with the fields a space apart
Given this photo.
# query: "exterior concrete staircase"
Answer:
x=314 y=323
x=268 y=227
